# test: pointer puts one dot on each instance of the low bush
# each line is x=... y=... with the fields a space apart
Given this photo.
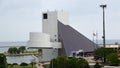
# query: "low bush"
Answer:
x=8 y=64
x=3 y=63
x=97 y=65
x=64 y=62
x=14 y=64
x=23 y=64
x=112 y=59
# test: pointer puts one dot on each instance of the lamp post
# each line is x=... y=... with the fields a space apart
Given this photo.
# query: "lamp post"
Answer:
x=103 y=7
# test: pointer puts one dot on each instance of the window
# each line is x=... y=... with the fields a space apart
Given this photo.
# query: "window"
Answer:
x=45 y=16
x=55 y=39
x=55 y=35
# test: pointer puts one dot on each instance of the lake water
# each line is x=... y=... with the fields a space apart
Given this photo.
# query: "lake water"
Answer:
x=19 y=59
x=4 y=46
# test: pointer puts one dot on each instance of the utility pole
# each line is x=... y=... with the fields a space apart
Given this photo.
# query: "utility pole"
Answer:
x=103 y=7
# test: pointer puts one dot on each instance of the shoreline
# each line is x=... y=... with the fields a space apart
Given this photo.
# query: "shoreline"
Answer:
x=18 y=54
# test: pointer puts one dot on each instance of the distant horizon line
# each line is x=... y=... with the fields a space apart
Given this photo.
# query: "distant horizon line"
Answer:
x=89 y=39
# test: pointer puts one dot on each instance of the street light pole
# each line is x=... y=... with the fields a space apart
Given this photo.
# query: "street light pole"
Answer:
x=104 y=6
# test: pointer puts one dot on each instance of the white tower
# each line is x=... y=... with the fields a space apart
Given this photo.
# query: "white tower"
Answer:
x=50 y=23
x=48 y=39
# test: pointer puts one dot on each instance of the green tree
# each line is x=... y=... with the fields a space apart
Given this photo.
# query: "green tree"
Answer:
x=13 y=50
x=22 y=49
x=100 y=52
x=97 y=65
x=77 y=63
x=73 y=63
x=59 y=62
x=3 y=63
x=83 y=63
x=64 y=62
x=112 y=59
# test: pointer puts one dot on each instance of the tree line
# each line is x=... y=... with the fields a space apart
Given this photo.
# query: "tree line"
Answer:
x=110 y=55
x=65 y=62
x=14 y=50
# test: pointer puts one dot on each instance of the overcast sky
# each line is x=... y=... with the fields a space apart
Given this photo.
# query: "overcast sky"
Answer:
x=19 y=17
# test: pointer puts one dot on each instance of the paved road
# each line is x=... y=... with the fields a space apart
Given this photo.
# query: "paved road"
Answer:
x=111 y=67
x=92 y=66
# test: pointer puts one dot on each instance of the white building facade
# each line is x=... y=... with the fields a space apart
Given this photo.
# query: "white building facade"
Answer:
x=58 y=37
x=48 y=39
x=50 y=23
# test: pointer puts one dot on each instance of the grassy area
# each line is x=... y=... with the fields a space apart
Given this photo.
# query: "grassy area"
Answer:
x=18 y=66
x=31 y=52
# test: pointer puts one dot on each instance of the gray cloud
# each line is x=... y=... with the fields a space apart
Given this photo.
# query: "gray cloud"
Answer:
x=19 y=17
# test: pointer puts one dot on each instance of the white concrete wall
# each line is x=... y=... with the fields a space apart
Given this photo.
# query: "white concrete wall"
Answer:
x=63 y=17
x=49 y=37
x=50 y=25
x=56 y=45
x=110 y=46
x=49 y=54
x=38 y=36
x=39 y=40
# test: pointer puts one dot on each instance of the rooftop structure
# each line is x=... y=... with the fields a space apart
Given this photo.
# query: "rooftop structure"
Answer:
x=72 y=40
